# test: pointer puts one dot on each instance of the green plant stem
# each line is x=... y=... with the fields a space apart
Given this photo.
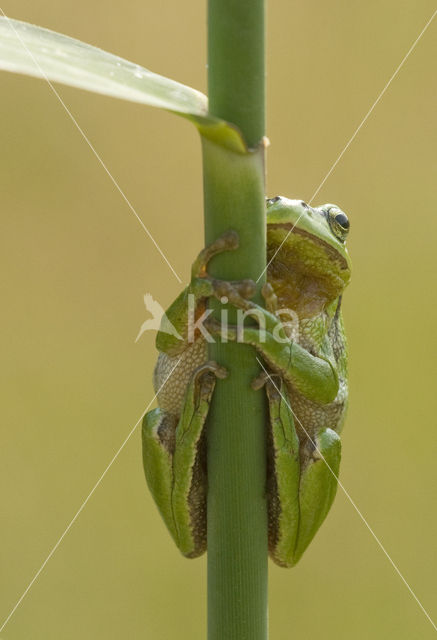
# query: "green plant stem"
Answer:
x=234 y=199
x=236 y=73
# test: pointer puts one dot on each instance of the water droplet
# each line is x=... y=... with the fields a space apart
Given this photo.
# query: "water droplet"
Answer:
x=137 y=74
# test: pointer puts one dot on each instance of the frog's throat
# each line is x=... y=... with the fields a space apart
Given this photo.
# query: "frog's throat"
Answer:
x=295 y=231
x=307 y=274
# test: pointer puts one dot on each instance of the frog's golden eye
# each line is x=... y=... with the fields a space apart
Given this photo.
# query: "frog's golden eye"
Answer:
x=339 y=223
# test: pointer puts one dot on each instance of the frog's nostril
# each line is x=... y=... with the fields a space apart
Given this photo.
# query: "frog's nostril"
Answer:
x=304 y=204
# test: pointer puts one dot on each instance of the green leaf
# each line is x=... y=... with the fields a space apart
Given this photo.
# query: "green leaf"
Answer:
x=32 y=50
x=35 y=51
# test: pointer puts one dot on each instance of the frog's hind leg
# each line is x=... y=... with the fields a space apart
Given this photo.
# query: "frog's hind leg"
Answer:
x=302 y=478
x=175 y=465
x=283 y=472
x=318 y=485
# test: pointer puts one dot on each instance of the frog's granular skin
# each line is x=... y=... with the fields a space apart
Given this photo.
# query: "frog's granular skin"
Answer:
x=171 y=396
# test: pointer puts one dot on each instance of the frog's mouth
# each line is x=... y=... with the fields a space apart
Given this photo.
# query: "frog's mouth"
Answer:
x=305 y=272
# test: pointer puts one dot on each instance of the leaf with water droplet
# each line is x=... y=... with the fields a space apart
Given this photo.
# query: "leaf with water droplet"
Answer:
x=39 y=52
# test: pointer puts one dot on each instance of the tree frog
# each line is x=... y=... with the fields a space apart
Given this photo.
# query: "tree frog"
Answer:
x=305 y=383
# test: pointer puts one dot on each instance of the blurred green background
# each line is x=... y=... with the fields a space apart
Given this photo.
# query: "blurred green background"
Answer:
x=76 y=264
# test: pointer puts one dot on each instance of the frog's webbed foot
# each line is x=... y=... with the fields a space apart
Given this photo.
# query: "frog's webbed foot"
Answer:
x=237 y=292
x=269 y=326
x=173 y=336
x=203 y=285
x=245 y=289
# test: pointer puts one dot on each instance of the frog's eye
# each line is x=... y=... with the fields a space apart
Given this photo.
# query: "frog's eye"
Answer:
x=273 y=200
x=339 y=223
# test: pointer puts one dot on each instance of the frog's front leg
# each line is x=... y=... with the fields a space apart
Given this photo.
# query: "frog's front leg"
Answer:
x=174 y=334
x=174 y=461
x=313 y=376
x=302 y=478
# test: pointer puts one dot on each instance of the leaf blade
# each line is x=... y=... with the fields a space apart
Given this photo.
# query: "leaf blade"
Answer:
x=36 y=51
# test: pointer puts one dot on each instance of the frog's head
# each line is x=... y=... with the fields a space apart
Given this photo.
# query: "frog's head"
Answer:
x=309 y=263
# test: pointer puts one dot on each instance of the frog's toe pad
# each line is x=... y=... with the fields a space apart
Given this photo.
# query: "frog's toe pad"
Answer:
x=246 y=288
x=264 y=378
x=213 y=367
x=227 y=240
x=236 y=292
x=270 y=297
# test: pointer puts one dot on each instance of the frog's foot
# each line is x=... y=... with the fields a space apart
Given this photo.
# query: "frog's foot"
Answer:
x=236 y=292
x=206 y=287
x=240 y=291
x=227 y=241
x=202 y=285
x=262 y=379
x=238 y=295
x=210 y=367
x=172 y=337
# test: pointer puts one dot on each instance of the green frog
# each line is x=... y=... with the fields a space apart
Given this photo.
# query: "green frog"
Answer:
x=304 y=377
